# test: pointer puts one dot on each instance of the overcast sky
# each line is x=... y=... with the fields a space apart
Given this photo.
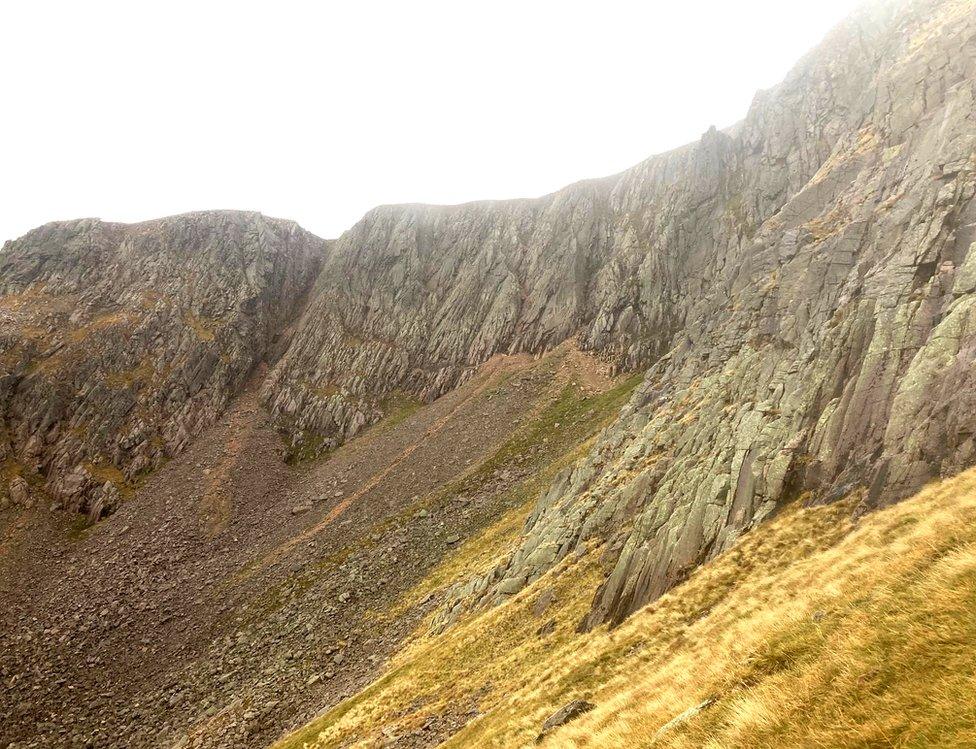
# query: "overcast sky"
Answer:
x=320 y=111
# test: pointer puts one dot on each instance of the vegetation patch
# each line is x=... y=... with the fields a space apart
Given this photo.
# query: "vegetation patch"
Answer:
x=397 y=408
x=809 y=632
x=305 y=450
x=99 y=324
x=137 y=376
x=103 y=472
x=204 y=328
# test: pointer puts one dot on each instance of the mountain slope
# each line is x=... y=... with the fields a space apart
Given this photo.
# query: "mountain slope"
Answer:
x=120 y=343
x=798 y=285
x=233 y=594
x=795 y=293
x=811 y=631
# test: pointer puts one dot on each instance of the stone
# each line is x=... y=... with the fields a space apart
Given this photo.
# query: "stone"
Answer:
x=19 y=492
x=546 y=598
x=685 y=715
x=771 y=365
x=137 y=360
x=546 y=629
x=564 y=715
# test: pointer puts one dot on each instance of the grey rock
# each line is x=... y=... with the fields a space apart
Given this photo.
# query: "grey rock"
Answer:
x=546 y=629
x=685 y=715
x=563 y=716
x=19 y=492
x=122 y=342
x=808 y=330
x=546 y=598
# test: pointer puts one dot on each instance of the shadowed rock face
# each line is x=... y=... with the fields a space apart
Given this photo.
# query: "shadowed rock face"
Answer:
x=799 y=289
x=120 y=343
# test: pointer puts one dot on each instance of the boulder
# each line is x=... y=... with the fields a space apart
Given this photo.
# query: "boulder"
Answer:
x=563 y=716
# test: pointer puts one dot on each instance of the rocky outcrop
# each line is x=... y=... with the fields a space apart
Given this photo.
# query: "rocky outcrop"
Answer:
x=562 y=716
x=121 y=342
x=415 y=297
x=827 y=332
x=799 y=289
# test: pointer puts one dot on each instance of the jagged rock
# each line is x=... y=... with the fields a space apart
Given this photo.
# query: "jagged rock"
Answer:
x=563 y=716
x=685 y=715
x=19 y=492
x=546 y=598
x=121 y=342
x=799 y=289
x=546 y=629
x=801 y=270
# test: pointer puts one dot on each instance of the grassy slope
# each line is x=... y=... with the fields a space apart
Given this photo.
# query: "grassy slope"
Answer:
x=811 y=632
x=554 y=437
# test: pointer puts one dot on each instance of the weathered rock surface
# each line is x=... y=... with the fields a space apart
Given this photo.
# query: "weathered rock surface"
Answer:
x=800 y=289
x=563 y=716
x=815 y=265
x=119 y=343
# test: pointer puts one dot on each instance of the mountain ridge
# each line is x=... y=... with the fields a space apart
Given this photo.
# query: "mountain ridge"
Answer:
x=797 y=292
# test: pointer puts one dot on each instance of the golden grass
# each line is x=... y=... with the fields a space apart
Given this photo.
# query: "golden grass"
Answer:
x=811 y=632
x=478 y=661
x=139 y=375
x=869 y=643
x=100 y=324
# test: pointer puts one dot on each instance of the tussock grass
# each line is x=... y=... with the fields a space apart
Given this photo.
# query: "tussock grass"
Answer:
x=866 y=642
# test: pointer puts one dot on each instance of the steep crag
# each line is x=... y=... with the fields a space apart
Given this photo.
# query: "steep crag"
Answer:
x=799 y=288
x=120 y=343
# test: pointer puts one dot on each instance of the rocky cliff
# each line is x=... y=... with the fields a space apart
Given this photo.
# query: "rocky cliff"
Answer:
x=821 y=260
x=120 y=343
x=799 y=289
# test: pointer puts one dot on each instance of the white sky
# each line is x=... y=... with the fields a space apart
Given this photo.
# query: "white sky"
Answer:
x=320 y=111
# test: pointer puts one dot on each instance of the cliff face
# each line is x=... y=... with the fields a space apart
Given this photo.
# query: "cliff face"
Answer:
x=798 y=285
x=121 y=342
x=414 y=297
x=827 y=329
x=799 y=288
